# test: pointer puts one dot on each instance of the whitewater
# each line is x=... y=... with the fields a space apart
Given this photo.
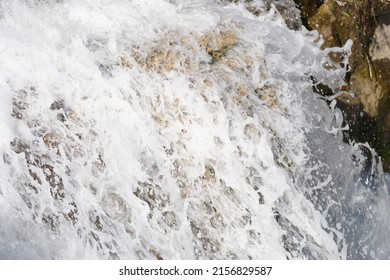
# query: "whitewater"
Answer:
x=177 y=130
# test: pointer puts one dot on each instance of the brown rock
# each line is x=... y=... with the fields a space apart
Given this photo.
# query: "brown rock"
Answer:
x=217 y=45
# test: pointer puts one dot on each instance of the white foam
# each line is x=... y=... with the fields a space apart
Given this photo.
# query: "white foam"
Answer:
x=148 y=162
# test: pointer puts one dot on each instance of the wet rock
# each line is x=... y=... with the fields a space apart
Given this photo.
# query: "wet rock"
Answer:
x=209 y=176
x=216 y=45
x=161 y=60
x=125 y=62
x=52 y=139
x=19 y=104
x=288 y=11
x=338 y=22
x=286 y=8
x=171 y=220
x=308 y=7
x=380 y=55
x=366 y=103
x=251 y=132
x=165 y=55
x=152 y=194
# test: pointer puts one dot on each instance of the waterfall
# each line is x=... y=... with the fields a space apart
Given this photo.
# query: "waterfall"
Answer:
x=177 y=130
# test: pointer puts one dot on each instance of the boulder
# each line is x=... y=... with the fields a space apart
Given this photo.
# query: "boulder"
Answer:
x=289 y=12
x=367 y=97
x=380 y=55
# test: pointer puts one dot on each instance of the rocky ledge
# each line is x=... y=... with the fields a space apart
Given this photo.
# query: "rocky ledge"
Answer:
x=366 y=101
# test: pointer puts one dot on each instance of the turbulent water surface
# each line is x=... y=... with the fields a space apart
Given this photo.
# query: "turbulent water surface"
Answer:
x=177 y=130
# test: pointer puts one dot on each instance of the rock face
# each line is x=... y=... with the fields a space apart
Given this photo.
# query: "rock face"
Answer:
x=366 y=100
x=289 y=12
x=380 y=55
x=308 y=8
x=337 y=22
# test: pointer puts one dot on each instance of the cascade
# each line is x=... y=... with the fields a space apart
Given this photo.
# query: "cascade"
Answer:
x=178 y=130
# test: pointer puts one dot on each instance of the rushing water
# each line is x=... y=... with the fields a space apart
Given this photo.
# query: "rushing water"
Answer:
x=177 y=130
